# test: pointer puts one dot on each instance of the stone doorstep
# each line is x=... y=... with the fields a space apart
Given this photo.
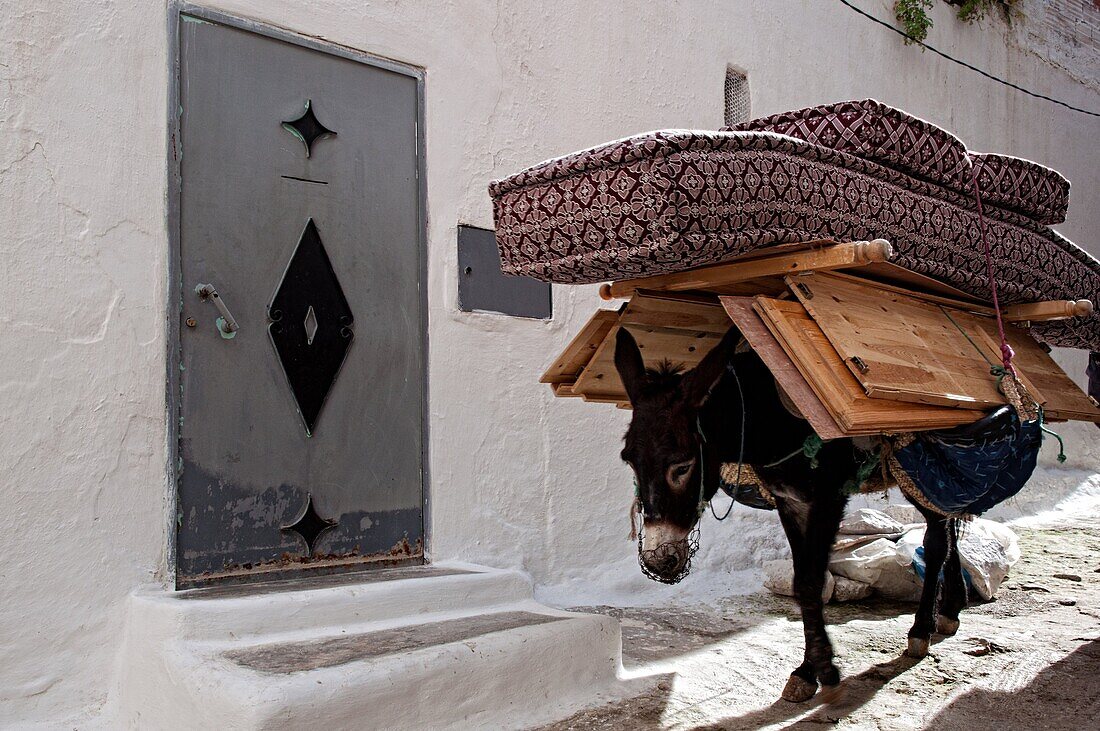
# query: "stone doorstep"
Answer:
x=456 y=647
x=303 y=655
x=234 y=613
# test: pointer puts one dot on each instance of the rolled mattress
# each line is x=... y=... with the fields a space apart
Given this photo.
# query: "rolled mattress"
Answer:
x=677 y=199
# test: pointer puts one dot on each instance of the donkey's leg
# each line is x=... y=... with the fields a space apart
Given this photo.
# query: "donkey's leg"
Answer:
x=935 y=552
x=802 y=685
x=822 y=523
x=954 y=586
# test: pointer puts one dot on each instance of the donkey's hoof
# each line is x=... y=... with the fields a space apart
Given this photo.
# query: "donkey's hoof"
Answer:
x=832 y=693
x=918 y=648
x=946 y=627
x=798 y=690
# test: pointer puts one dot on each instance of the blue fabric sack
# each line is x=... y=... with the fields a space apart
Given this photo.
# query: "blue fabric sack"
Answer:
x=969 y=469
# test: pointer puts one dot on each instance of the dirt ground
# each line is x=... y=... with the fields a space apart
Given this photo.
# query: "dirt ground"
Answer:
x=1029 y=659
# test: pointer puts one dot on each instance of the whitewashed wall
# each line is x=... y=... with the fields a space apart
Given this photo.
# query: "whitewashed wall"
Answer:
x=518 y=478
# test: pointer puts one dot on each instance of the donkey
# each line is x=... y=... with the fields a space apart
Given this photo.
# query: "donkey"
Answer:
x=728 y=409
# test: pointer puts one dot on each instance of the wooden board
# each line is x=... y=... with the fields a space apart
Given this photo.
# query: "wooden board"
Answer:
x=1060 y=397
x=901 y=347
x=884 y=271
x=915 y=349
x=764 y=344
x=678 y=328
x=844 y=397
x=567 y=366
x=676 y=312
x=828 y=256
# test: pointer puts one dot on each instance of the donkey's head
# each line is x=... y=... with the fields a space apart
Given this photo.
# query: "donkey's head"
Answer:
x=664 y=448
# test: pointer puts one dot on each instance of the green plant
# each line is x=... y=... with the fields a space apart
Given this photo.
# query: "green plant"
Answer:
x=915 y=21
x=971 y=11
x=913 y=16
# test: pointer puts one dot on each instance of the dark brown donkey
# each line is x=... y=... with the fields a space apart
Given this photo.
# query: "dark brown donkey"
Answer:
x=686 y=425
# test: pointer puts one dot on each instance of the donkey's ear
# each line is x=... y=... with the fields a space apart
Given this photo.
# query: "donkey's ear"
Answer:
x=629 y=364
x=699 y=382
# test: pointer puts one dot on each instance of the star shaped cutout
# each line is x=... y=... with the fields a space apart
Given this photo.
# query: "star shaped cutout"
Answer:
x=310 y=525
x=308 y=128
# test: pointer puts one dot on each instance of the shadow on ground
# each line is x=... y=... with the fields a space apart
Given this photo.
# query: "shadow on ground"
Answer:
x=653 y=634
x=859 y=689
x=1071 y=687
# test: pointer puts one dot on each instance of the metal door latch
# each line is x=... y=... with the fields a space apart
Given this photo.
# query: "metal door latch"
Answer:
x=227 y=326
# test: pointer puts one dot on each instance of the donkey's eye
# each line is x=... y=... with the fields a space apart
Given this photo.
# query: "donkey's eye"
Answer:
x=679 y=472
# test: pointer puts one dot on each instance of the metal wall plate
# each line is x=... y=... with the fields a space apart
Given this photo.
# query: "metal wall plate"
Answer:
x=483 y=287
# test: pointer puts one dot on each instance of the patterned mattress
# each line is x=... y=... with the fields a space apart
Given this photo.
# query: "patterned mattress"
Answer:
x=676 y=199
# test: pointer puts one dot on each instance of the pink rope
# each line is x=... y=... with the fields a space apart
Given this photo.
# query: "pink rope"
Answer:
x=1007 y=353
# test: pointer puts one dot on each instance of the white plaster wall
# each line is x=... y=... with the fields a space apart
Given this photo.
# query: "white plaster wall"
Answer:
x=518 y=478
x=82 y=341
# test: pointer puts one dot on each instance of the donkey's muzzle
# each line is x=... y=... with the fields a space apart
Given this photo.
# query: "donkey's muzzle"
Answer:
x=668 y=562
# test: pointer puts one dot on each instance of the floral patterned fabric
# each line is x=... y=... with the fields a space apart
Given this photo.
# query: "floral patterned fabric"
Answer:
x=1022 y=186
x=674 y=200
x=874 y=131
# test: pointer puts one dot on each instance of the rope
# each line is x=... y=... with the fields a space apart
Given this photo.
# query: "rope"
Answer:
x=994 y=369
x=740 y=455
x=809 y=449
x=1056 y=435
x=1006 y=350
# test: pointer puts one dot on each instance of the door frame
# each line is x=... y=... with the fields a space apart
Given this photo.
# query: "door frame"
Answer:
x=177 y=10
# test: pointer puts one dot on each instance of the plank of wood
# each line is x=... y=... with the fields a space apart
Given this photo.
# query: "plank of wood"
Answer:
x=919 y=284
x=967 y=305
x=764 y=344
x=1047 y=310
x=913 y=349
x=833 y=383
x=1060 y=397
x=831 y=256
x=564 y=390
x=569 y=364
x=767 y=286
x=667 y=327
x=675 y=311
x=898 y=346
x=601 y=380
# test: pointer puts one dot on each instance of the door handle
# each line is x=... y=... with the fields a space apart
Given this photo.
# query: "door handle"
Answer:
x=227 y=326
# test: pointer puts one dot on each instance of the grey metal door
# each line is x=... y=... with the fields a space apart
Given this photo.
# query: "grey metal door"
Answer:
x=300 y=431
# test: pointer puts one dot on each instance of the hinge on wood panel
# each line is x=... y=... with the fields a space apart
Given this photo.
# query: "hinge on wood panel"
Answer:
x=859 y=364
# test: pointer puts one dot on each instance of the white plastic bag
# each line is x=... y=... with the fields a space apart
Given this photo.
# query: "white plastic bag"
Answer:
x=864 y=562
x=868 y=521
x=847 y=590
x=876 y=563
x=779 y=579
x=987 y=551
x=904 y=513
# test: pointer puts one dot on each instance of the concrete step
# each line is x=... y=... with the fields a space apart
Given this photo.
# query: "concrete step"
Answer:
x=463 y=648
x=253 y=610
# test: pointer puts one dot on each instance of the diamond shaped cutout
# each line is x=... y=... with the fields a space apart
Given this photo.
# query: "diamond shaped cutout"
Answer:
x=310 y=325
x=307 y=128
x=310 y=525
